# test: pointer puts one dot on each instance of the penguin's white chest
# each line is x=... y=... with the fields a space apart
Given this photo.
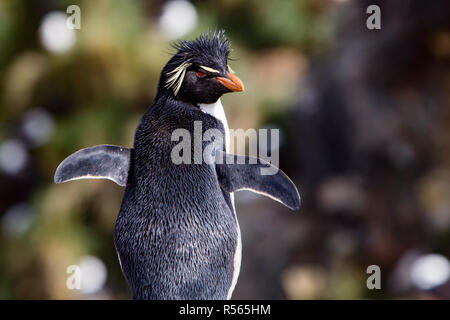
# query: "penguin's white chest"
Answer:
x=216 y=110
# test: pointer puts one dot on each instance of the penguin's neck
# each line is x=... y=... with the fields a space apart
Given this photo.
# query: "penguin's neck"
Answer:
x=216 y=110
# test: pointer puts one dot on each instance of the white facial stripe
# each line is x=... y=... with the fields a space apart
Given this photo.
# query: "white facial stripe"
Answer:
x=177 y=76
x=209 y=69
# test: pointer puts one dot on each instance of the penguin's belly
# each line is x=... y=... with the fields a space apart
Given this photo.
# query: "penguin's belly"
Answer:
x=178 y=240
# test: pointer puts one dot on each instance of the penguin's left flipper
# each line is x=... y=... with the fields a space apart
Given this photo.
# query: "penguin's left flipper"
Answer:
x=237 y=172
x=99 y=162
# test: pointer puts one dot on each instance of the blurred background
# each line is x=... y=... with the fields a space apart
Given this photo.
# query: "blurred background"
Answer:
x=365 y=134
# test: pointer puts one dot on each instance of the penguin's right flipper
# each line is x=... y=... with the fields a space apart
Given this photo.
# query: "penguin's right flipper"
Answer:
x=237 y=172
x=99 y=162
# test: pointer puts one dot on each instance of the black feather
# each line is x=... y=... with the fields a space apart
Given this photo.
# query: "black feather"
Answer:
x=210 y=45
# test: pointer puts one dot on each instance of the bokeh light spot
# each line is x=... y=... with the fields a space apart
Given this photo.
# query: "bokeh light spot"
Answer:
x=54 y=34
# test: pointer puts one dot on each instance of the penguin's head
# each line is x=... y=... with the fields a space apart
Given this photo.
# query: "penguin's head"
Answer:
x=199 y=70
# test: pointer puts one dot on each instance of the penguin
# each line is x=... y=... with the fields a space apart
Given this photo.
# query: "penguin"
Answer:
x=177 y=234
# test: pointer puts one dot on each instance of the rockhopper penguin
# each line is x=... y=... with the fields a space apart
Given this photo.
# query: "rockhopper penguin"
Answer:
x=177 y=234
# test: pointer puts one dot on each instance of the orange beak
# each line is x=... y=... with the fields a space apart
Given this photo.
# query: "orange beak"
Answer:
x=232 y=82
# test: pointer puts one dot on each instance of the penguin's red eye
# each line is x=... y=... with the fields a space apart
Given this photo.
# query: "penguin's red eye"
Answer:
x=201 y=74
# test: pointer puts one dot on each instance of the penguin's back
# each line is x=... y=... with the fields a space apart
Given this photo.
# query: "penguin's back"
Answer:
x=176 y=234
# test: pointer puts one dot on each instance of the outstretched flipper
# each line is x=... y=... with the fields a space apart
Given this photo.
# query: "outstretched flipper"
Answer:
x=99 y=162
x=237 y=172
